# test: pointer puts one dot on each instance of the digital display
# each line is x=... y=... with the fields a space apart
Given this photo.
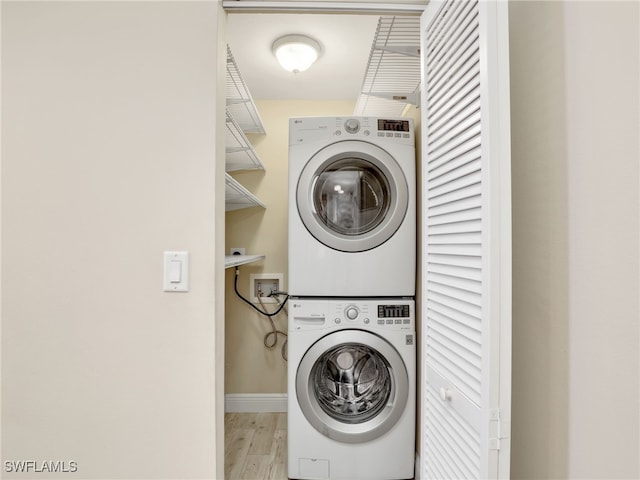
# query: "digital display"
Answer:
x=393 y=311
x=393 y=125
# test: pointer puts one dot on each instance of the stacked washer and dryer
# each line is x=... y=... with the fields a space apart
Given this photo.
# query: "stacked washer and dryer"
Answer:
x=352 y=244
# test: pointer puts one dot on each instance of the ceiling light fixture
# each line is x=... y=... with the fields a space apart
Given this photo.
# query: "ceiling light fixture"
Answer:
x=296 y=53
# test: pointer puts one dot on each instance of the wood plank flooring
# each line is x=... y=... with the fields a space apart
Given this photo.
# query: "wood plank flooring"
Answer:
x=255 y=446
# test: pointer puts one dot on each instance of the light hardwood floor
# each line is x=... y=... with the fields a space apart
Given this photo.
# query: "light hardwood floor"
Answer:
x=255 y=446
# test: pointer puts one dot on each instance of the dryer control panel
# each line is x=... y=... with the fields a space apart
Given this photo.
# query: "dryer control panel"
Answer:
x=390 y=313
x=309 y=129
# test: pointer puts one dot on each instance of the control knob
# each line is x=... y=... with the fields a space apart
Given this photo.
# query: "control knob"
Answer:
x=352 y=125
x=351 y=312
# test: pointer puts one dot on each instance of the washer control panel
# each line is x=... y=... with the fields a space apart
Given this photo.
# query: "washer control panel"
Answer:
x=310 y=129
x=393 y=313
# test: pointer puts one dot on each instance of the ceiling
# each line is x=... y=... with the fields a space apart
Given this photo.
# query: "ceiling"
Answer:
x=337 y=75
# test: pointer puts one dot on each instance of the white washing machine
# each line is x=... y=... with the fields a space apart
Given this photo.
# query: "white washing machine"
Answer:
x=351 y=381
x=352 y=207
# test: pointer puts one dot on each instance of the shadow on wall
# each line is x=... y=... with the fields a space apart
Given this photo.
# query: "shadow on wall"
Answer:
x=540 y=241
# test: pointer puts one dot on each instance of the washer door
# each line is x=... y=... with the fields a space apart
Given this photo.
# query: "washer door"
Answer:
x=352 y=196
x=352 y=386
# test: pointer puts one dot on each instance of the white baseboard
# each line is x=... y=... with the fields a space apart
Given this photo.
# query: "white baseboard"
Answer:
x=255 y=402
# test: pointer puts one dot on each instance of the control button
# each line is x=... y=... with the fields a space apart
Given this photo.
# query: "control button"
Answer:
x=381 y=134
x=389 y=134
x=337 y=320
x=406 y=135
x=398 y=135
x=366 y=133
x=351 y=313
x=352 y=125
x=406 y=321
x=381 y=321
x=338 y=132
x=366 y=321
x=398 y=321
x=389 y=321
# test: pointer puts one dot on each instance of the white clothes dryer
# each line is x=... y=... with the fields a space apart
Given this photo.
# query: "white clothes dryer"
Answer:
x=352 y=386
x=352 y=207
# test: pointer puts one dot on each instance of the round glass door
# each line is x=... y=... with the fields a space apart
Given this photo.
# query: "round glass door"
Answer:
x=351 y=382
x=352 y=386
x=352 y=196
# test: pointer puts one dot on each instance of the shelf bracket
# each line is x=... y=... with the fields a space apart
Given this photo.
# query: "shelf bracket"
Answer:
x=407 y=50
x=411 y=98
x=237 y=149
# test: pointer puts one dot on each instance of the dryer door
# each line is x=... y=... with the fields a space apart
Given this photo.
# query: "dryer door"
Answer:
x=352 y=386
x=352 y=196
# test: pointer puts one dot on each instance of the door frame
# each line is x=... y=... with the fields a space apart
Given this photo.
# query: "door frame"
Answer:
x=291 y=7
x=369 y=8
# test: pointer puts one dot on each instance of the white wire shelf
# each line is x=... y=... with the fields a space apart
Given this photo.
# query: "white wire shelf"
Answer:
x=240 y=154
x=239 y=101
x=237 y=197
x=237 y=260
x=392 y=77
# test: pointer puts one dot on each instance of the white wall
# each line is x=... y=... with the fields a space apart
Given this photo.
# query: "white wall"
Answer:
x=575 y=138
x=603 y=135
x=109 y=158
x=540 y=265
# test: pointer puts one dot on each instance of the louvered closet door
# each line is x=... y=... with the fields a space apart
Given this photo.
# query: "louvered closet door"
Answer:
x=466 y=241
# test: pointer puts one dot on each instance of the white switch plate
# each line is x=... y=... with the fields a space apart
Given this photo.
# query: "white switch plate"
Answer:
x=176 y=271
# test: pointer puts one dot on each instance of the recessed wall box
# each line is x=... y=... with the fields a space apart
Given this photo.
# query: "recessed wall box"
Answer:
x=263 y=284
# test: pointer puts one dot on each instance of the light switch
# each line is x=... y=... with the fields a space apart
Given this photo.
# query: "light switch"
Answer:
x=176 y=271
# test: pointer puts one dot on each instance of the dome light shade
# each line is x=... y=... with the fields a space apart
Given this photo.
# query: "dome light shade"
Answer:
x=296 y=53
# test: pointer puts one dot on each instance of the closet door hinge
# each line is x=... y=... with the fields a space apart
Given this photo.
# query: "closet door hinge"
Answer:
x=499 y=428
